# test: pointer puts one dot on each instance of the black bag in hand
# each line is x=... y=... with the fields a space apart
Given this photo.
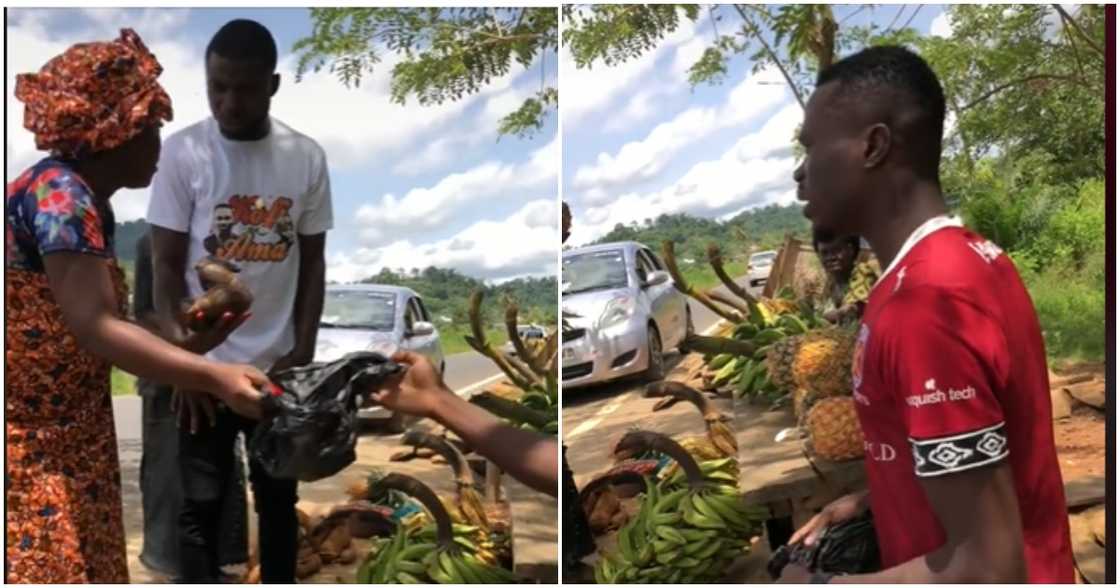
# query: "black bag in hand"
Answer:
x=309 y=425
x=850 y=547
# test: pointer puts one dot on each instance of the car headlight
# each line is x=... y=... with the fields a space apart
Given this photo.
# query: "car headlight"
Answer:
x=618 y=310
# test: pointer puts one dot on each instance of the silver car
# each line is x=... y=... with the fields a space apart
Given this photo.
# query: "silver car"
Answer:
x=376 y=318
x=622 y=313
x=759 y=266
x=527 y=333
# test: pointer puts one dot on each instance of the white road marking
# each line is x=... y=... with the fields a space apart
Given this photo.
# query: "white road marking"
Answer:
x=464 y=391
x=614 y=404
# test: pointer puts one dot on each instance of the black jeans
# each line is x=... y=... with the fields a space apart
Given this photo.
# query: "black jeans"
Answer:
x=162 y=495
x=205 y=461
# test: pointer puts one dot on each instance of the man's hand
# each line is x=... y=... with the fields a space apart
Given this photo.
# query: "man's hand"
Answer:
x=842 y=509
x=795 y=574
x=190 y=405
x=296 y=358
x=416 y=392
x=238 y=386
x=202 y=342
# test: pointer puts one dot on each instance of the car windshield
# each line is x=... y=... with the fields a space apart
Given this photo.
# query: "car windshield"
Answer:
x=601 y=270
x=358 y=309
x=763 y=258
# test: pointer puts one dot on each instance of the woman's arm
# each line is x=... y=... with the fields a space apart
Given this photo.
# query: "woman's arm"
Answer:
x=84 y=291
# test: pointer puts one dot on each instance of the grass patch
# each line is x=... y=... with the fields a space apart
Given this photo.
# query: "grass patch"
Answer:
x=700 y=274
x=1071 y=311
x=452 y=340
x=123 y=383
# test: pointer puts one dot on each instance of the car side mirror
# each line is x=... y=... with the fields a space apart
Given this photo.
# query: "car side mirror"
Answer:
x=422 y=329
x=657 y=278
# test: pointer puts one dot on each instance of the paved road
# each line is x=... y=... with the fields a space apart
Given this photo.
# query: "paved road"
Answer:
x=593 y=417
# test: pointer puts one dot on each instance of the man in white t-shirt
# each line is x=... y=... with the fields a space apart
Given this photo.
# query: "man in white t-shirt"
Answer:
x=246 y=188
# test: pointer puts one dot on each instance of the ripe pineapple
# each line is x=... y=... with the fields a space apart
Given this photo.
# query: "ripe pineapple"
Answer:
x=823 y=362
x=834 y=429
x=779 y=362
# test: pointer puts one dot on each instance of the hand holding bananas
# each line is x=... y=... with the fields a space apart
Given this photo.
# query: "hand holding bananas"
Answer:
x=529 y=457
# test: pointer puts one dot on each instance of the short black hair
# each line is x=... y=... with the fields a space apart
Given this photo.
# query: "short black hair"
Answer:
x=244 y=40
x=822 y=236
x=896 y=74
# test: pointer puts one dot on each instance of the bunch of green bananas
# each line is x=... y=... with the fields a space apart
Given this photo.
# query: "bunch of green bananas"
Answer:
x=747 y=375
x=417 y=558
x=689 y=528
x=438 y=552
x=718 y=471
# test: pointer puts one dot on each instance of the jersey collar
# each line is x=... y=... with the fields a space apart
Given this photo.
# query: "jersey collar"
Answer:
x=924 y=230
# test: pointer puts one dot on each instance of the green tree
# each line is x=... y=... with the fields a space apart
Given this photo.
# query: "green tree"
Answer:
x=446 y=53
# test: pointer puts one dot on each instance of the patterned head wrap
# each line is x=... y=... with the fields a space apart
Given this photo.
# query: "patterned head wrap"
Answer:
x=93 y=97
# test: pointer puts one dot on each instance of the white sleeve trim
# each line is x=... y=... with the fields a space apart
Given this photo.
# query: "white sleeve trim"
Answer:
x=959 y=453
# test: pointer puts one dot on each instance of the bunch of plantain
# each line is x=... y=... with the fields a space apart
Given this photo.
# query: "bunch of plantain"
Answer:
x=437 y=553
x=718 y=446
x=470 y=500
x=687 y=532
x=531 y=399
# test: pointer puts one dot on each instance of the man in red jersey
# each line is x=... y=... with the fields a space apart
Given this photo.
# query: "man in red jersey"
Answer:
x=949 y=373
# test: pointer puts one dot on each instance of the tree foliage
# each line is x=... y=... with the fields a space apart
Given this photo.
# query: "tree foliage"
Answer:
x=447 y=292
x=759 y=228
x=445 y=53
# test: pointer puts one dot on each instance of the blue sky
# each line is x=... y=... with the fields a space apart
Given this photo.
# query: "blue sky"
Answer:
x=639 y=141
x=413 y=186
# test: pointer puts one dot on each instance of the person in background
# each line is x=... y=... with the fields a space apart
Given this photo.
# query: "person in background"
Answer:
x=160 y=484
x=949 y=371
x=241 y=177
x=849 y=282
x=97 y=109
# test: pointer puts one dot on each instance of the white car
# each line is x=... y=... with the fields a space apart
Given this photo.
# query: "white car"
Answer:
x=622 y=312
x=384 y=319
x=759 y=266
x=527 y=333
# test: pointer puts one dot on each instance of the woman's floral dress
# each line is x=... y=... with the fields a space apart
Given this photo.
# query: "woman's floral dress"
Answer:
x=62 y=481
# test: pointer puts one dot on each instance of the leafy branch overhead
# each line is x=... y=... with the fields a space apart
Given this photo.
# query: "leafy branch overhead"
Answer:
x=445 y=54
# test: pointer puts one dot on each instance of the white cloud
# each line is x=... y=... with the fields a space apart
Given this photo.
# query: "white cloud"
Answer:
x=426 y=210
x=361 y=125
x=642 y=160
x=589 y=91
x=942 y=25
x=523 y=244
x=757 y=170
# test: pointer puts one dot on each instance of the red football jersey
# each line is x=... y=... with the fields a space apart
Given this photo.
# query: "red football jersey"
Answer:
x=950 y=374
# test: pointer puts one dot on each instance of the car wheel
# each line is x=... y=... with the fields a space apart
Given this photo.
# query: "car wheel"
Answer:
x=655 y=371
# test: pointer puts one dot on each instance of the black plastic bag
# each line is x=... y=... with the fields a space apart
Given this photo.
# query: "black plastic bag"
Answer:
x=309 y=425
x=850 y=547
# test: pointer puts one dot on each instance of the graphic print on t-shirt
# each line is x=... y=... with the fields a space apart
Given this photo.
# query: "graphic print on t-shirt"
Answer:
x=251 y=229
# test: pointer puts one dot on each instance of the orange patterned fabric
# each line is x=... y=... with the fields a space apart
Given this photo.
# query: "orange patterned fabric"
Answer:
x=62 y=479
x=94 y=96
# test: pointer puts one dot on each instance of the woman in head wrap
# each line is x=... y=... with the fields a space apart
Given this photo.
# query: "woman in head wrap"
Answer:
x=97 y=109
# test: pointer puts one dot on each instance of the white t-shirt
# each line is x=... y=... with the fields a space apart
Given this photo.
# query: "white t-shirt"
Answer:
x=244 y=201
